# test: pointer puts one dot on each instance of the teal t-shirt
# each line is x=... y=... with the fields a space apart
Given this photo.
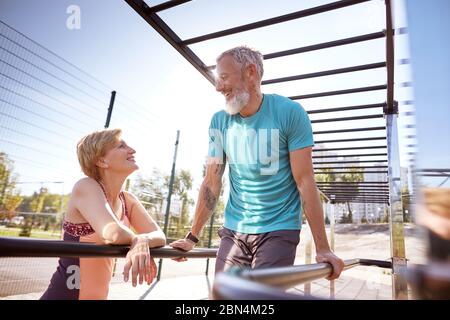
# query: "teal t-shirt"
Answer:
x=263 y=193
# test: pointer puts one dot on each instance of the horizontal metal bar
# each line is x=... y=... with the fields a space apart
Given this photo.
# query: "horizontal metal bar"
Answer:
x=350 y=148
x=351 y=155
x=356 y=194
x=351 y=140
x=338 y=92
x=325 y=73
x=341 y=172
x=170 y=36
x=353 y=200
x=431 y=170
x=354 y=190
x=326 y=188
x=349 y=108
x=274 y=20
x=363 y=201
x=351 y=182
x=167 y=5
x=371 y=116
x=319 y=46
x=286 y=277
x=364 y=167
x=356 y=161
x=351 y=189
x=434 y=174
x=350 y=197
x=350 y=130
x=20 y=247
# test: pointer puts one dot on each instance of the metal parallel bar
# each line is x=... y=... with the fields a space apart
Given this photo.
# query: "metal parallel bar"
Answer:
x=230 y=287
x=328 y=190
x=432 y=170
x=372 y=116
x=364 y=167
x=350 y=130
x=356 y=161
x=319 y=46
x=366 y=37
x=434 y=174
x=356 y=197
x=360 y=189
x=350 y=148
x=350 y=198
x=167 y=5
x=24 y=247
x=359 y=194
x=274 y=20
x=352 y=183
x=352 y=155
x=170 y=36
x=326 y=73
x=349 y=108
x=285 y=277
x=362 y=200
x=351 y=140
x=340 y=172
x=338 y=92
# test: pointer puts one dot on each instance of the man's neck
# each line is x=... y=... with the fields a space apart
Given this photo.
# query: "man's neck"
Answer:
x=254 y=104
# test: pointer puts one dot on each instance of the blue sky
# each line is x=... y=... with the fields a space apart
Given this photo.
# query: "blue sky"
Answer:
x=118 y=47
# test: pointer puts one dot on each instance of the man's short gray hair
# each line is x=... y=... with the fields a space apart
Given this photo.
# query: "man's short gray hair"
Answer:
x=245 y=56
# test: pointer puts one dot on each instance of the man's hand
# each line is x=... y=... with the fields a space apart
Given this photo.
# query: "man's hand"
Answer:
x=335 y=261
x=182 y=244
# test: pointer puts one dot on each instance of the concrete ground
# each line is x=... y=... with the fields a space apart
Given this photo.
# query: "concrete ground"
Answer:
x=27 y=278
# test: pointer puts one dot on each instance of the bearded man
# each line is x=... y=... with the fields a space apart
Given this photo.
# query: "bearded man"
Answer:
x=267 y=140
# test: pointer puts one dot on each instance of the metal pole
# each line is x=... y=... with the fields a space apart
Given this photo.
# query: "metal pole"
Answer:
x=169 y=196
x=210 y=239
x=332 y=222
x=399 y=284
x=308 y=260
x=110 y=109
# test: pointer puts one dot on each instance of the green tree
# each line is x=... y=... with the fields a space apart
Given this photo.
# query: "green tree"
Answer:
x=354 y=175
x=10 y=197
x=37 y=200
x=181 y=186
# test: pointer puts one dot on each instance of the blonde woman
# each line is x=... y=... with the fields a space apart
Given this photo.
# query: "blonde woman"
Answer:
x=100 y=212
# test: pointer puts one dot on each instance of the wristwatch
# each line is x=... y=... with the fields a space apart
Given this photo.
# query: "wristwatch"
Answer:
x=191 y=237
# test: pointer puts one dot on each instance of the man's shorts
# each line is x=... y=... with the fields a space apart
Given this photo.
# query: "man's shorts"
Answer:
x=263 y=250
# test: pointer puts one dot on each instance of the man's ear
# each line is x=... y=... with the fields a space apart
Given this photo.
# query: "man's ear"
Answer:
x=101 y=163
x=251 y=71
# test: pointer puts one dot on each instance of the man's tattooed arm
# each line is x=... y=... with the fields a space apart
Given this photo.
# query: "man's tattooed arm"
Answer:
x=208 y=196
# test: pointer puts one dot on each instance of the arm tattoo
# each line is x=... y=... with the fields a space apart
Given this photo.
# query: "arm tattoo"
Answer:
x=209 y=198
x=220 y=168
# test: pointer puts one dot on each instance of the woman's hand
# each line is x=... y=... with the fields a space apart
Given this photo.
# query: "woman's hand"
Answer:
x=140 y=262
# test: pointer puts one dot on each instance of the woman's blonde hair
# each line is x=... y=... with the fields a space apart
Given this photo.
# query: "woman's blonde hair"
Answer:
x=94 y=146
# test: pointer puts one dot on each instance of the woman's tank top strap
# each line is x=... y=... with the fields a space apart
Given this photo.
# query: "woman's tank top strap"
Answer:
x=122 y=199
x=124 y=205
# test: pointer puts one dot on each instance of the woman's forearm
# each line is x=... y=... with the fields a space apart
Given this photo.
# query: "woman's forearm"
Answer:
x=155 y=238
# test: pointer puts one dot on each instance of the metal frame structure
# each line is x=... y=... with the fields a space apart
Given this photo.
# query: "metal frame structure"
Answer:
x=383 y=192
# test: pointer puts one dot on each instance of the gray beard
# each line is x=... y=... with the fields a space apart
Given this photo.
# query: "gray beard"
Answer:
x=240 y=100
